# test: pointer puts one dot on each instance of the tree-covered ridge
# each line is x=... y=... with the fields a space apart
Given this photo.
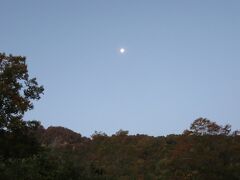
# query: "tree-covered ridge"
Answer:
x=123 y=156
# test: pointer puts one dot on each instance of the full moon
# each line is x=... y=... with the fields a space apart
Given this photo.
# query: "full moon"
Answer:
x=122 y=50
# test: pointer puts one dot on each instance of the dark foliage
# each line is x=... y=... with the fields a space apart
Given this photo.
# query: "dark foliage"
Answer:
x=17 y=91
x=123 y=156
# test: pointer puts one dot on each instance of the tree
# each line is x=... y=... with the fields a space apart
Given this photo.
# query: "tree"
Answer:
x=203 y=126
x=17 y=91
x=98 y=135
x=121 y=133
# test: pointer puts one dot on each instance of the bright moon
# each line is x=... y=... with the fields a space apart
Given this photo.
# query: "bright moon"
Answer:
x=122 y=50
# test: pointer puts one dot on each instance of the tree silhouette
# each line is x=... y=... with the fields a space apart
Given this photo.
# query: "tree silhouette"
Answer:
x=17 y=91
x=203 y=126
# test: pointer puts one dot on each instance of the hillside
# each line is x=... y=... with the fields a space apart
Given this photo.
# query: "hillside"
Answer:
x=60 y=136
x=205 y=151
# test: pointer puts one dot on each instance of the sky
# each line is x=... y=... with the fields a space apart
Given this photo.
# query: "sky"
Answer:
x=182 y=62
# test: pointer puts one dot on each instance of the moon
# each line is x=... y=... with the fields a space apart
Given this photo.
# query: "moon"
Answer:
x=122 y=50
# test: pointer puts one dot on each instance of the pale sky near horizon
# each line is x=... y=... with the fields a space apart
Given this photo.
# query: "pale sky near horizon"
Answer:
x=182 y=61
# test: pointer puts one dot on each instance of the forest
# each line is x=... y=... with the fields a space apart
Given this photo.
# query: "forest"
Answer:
x=28 y=151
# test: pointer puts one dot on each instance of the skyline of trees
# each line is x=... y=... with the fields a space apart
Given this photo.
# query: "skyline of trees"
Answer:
x=28 y=151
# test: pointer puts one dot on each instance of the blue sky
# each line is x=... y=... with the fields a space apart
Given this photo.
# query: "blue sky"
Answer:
x=182 y=62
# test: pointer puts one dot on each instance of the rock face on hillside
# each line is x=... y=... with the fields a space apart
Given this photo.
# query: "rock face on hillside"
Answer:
x=60 y=136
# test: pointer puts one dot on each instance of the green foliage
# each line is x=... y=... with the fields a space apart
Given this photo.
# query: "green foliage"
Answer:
x=44 y=166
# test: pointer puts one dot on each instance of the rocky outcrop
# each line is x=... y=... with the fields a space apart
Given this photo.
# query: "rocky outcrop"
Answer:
x=60 y=136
